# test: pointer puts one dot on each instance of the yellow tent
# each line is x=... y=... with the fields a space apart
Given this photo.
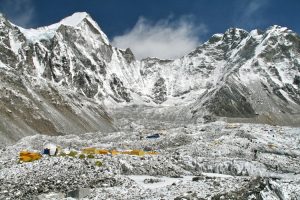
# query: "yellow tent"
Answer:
x=114 y=152
x=101 y=151
x=137 y=152
x=90 y=150
x=26 y=156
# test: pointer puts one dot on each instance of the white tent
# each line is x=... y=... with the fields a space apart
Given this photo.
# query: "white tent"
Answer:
x=52 y=148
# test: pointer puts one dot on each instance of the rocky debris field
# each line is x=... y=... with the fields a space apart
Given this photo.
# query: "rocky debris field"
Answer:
x=206 y=161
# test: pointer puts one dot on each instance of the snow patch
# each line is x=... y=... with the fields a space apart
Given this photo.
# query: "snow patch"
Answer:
x=2 y=65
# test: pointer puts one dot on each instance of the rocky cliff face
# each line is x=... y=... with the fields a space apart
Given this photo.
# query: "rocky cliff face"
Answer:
x=260 y=77
x=56 y=79
x=43 y=90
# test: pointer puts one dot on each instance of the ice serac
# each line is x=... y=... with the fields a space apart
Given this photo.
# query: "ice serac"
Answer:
x=69 y=71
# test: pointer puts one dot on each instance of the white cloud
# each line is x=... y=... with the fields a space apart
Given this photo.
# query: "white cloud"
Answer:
x=249 y=13
x=20 y=12
x=165 y=39
x=253 y=7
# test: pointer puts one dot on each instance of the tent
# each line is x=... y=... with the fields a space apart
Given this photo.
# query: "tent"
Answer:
x=136 y=152
x=156 y=135
x=26 y=156
x=50 y=149
x=89 y=150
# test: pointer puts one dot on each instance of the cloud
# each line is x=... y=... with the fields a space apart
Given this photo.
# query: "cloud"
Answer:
x=165 y=39
x=249 y=13
x=20 y=12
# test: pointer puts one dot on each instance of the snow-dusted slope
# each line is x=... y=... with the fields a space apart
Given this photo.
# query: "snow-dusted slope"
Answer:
x=238 y=75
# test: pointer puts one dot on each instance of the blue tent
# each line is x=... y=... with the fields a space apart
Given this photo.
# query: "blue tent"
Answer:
x=46 y=151
x=156 y=135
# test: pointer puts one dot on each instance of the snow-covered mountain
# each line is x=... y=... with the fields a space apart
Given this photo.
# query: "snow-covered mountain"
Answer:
x=34 y=95
x=61 y=79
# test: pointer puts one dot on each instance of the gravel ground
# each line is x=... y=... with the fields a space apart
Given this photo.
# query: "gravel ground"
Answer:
x=207 y=161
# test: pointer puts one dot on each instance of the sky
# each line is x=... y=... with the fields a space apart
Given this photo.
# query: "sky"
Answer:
x=159 y=28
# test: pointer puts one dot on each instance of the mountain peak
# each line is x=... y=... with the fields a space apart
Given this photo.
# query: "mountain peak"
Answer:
x=47 y=32
x=74 y=19
x=278 y=29
x=236 y=32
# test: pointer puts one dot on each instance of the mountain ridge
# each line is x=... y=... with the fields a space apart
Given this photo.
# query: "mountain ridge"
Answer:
x=238 y=76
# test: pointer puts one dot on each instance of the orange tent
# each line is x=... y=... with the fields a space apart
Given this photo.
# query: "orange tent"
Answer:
x=26 y=156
